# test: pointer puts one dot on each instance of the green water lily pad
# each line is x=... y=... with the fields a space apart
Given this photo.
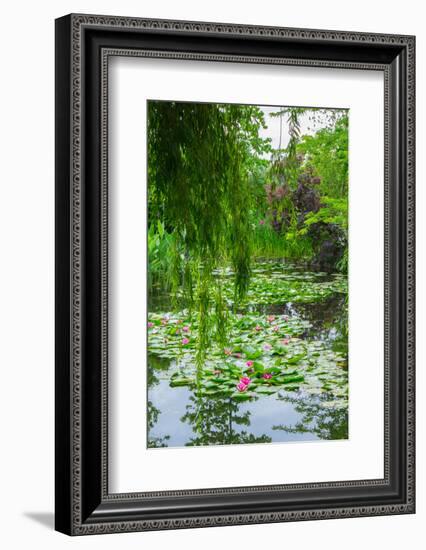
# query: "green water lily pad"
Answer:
x=252 y=353
x=176 y=382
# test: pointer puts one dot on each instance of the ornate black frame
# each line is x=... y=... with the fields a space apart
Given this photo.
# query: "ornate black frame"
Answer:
x=83 y=46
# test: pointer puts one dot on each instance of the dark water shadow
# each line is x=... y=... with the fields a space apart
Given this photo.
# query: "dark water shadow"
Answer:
x=47 y=519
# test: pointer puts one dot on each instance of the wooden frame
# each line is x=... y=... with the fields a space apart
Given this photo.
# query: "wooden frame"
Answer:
x=83 y=46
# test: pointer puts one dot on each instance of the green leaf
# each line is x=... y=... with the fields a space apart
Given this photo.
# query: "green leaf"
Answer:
x=176 y=382
x=252 y=353
x=273 y=370
x=292 y=379
x=267 y=390
x=295 y=358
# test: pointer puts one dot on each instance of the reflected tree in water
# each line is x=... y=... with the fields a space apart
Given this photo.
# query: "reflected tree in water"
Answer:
x=325 y=422
x=155 y=364
x=215 y=422
x=153 y=414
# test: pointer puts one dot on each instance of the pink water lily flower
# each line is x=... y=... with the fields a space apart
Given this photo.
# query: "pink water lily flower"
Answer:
x=285 y=317
x=237 y=355
x=242 y=387
x=185 y=328
x=267 y=347
x=270 y=318
x=267 y=375
x=257 y=327
x=261 y=222
x=185 y=341
x=285 y=341
x=150 y=325
x=164 y=321
x=245 y=380
x=227 y=351
x=276 y=328
x=249 y=363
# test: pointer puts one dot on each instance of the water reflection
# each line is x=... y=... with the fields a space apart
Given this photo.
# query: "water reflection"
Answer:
x=180 y=419
x=217 y=422
x=316 y=419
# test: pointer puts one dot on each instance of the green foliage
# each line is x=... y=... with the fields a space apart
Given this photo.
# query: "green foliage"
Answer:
x=334 y=211
x=199 y=161
x=269 y=243
x=306 y=191
x=160 y=247
x=326 y=152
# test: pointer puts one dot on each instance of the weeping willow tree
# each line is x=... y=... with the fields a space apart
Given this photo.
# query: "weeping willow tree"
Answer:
x=290 y=166
x=284 y=171
x=199 y=161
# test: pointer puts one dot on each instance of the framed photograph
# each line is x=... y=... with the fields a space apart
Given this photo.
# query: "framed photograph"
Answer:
x=234 y=274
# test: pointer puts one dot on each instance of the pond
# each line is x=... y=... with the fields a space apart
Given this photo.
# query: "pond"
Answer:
x=282 y=376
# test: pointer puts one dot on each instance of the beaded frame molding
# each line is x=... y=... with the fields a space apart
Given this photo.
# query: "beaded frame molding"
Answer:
x=84 y=44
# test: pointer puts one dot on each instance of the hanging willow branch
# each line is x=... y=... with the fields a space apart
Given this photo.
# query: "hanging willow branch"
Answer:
x=290 y=165
x=198 y=180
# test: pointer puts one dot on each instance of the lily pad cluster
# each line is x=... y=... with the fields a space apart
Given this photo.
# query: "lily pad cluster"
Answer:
x=276 y=283
x=264 y=354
